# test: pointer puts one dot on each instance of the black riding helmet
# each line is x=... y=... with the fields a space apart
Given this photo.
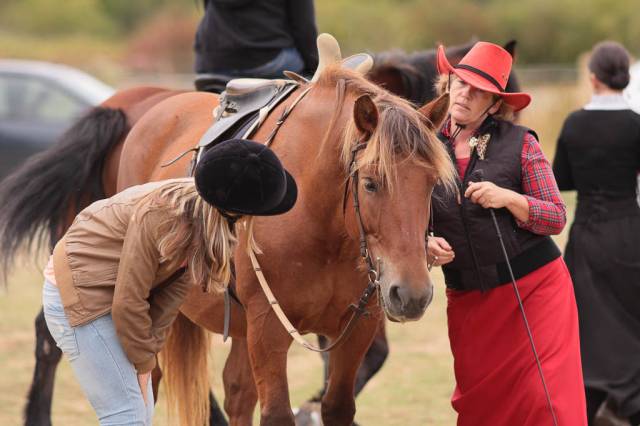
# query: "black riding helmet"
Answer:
x=246 y=178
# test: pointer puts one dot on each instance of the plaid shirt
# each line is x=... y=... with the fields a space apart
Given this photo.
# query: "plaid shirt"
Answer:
x=547 y=211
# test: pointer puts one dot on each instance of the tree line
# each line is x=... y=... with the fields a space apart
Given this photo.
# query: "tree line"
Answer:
x=548 y=31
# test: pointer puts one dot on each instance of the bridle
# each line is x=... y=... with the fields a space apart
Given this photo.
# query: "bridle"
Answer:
x=373 y=273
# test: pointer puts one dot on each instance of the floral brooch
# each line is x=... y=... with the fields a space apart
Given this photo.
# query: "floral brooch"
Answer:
x=479 y=143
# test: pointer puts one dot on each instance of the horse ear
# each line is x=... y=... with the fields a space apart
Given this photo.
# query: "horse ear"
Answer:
x=510 y=47
x=436 y=110
x=365 y=115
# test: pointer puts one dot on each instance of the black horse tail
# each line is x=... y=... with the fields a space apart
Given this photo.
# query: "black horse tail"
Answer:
x=37 y=198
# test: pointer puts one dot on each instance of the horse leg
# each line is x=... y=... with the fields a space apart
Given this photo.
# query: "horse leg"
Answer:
x=268 y=356
x=240 y=390
x=323 y=342
x=374 y=358
x=338 y=403
x=373 y=361
x=38 y=409
x=216 y=417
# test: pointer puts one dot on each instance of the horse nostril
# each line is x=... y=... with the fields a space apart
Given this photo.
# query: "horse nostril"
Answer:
x=407 y=302
x=424 y=301
x=394 y=295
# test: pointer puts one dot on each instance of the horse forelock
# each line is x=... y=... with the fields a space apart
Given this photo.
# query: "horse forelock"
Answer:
x=402 y=134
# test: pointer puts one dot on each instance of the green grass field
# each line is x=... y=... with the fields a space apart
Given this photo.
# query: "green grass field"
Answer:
x=413 y=387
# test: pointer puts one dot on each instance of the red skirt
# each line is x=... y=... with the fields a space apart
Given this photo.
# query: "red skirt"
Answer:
x=497 y=380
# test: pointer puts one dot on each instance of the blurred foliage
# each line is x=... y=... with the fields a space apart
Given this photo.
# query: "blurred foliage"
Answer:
x=101 y=18
x=548 y=31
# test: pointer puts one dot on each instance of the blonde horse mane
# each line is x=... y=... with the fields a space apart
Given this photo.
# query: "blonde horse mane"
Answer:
x=403 y=133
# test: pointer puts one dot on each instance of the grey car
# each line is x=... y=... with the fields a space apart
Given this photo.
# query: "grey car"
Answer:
x=38 y=102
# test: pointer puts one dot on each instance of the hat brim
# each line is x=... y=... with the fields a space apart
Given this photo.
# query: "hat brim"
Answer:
x=517 y=100
x=288 y=201
x=286 y=204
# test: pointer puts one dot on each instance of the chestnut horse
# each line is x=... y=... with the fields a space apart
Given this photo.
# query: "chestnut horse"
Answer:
x=40 y=199
x=311 y=255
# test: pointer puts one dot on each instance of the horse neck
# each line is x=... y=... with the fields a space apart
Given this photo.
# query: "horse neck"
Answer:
x=319 y=170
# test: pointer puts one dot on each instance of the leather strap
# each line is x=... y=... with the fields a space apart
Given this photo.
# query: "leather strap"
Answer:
x=358 y=310
x=284 y=116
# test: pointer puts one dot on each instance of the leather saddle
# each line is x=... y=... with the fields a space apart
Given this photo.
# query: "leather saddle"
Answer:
x=244 y=102
x=209 y=82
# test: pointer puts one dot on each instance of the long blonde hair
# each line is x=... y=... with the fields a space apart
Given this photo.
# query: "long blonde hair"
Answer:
x=402 y=134
x=194 y=231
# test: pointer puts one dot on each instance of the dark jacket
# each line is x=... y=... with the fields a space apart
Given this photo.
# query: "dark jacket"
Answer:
x=479 y=262
x=243 y=34
x=598 y=153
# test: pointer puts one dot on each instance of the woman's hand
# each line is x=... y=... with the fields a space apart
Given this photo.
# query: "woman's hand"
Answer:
x=439 y=252
x=489 y=195
x=143 y=381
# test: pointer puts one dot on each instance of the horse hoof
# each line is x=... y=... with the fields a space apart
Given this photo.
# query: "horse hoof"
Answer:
x=308 y=414
x=607 y=417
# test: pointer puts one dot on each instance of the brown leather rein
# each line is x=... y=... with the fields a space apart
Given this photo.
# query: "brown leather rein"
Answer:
x=373 y=273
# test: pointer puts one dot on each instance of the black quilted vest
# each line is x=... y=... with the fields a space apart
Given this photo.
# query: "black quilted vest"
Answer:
x=479 y=261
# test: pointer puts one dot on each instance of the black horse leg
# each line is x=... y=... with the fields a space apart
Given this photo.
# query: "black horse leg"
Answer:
x=216 y=418
x=38 y=409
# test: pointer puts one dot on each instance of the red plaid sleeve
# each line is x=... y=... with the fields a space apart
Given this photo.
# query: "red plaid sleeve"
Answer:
x=547 y=212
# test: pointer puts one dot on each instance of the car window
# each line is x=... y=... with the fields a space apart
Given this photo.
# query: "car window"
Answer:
x=30 y=99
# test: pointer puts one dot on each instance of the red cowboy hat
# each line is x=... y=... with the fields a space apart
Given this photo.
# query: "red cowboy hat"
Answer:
x=486 y=67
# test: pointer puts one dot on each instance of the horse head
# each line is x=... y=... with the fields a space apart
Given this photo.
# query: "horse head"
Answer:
x=390 y=162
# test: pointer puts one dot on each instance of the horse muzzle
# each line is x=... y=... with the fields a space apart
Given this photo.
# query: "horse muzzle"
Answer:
x=405 y=303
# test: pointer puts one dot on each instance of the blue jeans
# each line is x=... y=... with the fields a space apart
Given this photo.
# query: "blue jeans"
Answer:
x=288 y=59
x=106 y=376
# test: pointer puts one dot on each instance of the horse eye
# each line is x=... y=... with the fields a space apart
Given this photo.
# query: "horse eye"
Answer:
x=370 y=186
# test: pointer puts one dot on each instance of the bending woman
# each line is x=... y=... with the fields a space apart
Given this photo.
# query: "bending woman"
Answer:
x=501 y=167
x=117 y=278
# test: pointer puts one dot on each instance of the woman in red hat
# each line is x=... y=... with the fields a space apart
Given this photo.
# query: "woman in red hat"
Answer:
x=500 y=379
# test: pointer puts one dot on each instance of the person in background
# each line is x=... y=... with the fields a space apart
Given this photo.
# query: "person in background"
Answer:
x=501 y=167
x=598 y=155
x=256 y=38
